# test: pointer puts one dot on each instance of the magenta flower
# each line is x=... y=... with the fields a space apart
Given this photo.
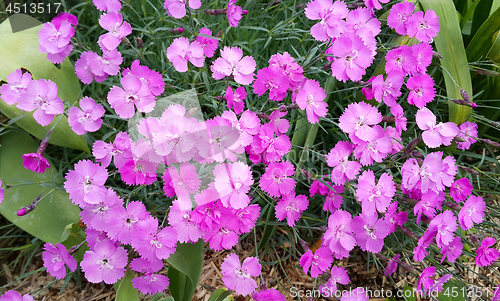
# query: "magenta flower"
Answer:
x=338 y=237
x=427 y=282
x=149 y=283
x=17 y=84
x=343 y=169
x=177 y=8
x=370 y=232
x=105 y=262
x=181 y=51
x=119 y=150
x=35 y=162
x=235 y=100
x=400 y=61
x=423 y=53
x=429 y=203
x=55 y=258
x=108 y=64
x=207 y=42
x=392 y=265
x=357 y=120
x=445 y=224
x=133 y=94
x=387 y=90
x=96 y=215
x=85 y=184
x=338 y=275
x=151 y=243
x=236 y=276
x=399 y=15
x=247 y=217
x=319 y=262
x=116 y=27
x=311 y=99
x=84 y=71
x=272 y=79
x=15 y=296
x=435 y=134
x=183 y=223
x=270 y=294
x=113 y=6
x=472 y=212
x=276 y=181
x=375 y=3
x=86 y=119
x=485 y=255
x=41 y=95
x=421 y=90
x=291 y=69
x=290 y=207
x=268 y=147
x=461 y=189
x=395 y=138
x=281 y=126
x=248 y=125
x=399 y=118
x=352 y=58
x=424 y=242
x=233 y=182
x=138 y=172
x=121 y=222
x=181 y=183
x=223 y=235
x=54 y=37
x=153 y=79
x=453 y=250
x=334 y=200
x=468 y=133
x=2 y=192
x=364 y=24
x=234 y=13
x=359 y=293
x=424 y=27
x=233 y=63
x=330 y=14
x=376 y=150
x=375 y=197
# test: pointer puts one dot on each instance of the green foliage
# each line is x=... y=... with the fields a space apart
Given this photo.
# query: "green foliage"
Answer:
x=185 y=270
x=54 y=212
x=124 y=289
x=20 y=50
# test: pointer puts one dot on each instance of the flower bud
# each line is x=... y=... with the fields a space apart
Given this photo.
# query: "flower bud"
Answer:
x=437 y=55
x=469 y=170
x=491 y=143
x=389 y=119
x=293 y=106
x=464 y=103
x=139 y=42
x=44 y=143
x=411 y=146
x=486 y=72
x=25 y=210
x=464 y=94
x=75 y=248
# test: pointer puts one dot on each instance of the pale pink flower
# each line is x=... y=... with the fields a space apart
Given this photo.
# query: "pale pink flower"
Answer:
x=116 y=27
x=133 y=94
x=183 y=223
x=177 y=8
x=181 y=51
x=237 y=276
x=105 y=262
x=330 y=14
x=468 y=132
x=17 y=84
x=370 y=232
x=424 y=27
x=86 y=119
x=153 y=242
x=56 y=258
x=41 y=96
x=435 y=134
x=232 y=62
x=339 y=237
x=375 y=197
x=352 y=58
x=113 y=6
x=343 y=169
x=311 y=99
x=472 y=212
x=233 y=182
x=357 y=120
x=149 y=283
x=445 y=224
x=290 y=207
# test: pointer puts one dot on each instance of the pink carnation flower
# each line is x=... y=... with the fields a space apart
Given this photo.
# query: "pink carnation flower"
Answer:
x=233 y=182
x=35 y=162
x=330 y=14
x=112 y=6
x=86 y=119
x=364 y=24
x=387 y=90
x=153 y=243
x=338 y=275
x=84 y=71
x=276 y=181
x=151 y=78
x=272 y=79
x=472 y=212
x=108 y=64
x=399 y=15
x=453 y=250
x=41 y=96
x=394 y=218
x=181 y=51
x=421 y=90
x=177 y=8
x=423 y=53
x=237 y=276
x=149 y=283
x=461 y=189
x=311 y=99
x=122 y=223
x=17 y=84
x=357 y=120
x=339 y=237
x=399 y=118
x=444 y=224
x=234 y=13
x=435 y=134
x=54 y=37
x=188 y=230
x=12 y=295
x=96 y=215
x=270 y=294
x=280 y=125
x=291 y=69
x=375 y=3
x=105 y=262
x=133 y=94
x=116 y=27
x=85 y=184
x=400 y=61
x=267 y=147
x=370 y=232
x=343 y=169
x=119 y=150
x=138 y=172
x=352 y=58
x=377 y=149
x=468 y=133
x=485 y=255
x=319 y=262
x=55 y=259
x=291 y=207
x=427 y=282
x=375 y=197
x=248 y=125
x=235 y=100
x=424 y=27
x=181 y=183
x=207 y=41
x=232 y=62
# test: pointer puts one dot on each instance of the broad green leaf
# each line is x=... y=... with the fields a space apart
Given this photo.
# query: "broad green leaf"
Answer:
x=185 y=270
x=450 y=45
x=219 y=295
x=481 y=13
x=124 y=289
x=50 y=218
x=409 y=294
x=484 y=39
x=20 y=50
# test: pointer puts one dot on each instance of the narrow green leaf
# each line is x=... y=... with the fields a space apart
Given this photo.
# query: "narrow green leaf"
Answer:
x=494 y=52
x=185 y=269
x=483 y=40
x=20 y=50
x=450 y=45
x=124 y=289
x=481 y=13
x=51 y=216
x=219 y=294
